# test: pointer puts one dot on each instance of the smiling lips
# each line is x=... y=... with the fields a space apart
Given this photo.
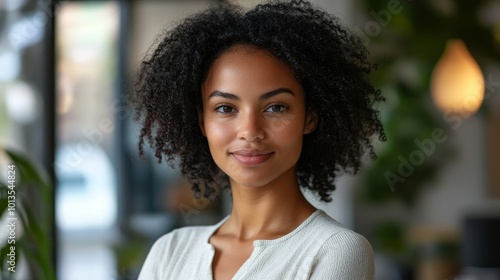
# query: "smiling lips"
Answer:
x=251 y=157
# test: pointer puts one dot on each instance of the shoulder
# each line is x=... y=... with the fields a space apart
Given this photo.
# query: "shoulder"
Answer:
x=339 y=236
x=348 y=244
x=170 y=247
x=181 y=238
x=344 y=252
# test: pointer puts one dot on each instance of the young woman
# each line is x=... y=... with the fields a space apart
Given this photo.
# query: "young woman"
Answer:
x=264 y=102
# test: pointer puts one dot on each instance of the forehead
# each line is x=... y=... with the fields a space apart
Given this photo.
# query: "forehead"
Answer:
x=239 y=54
x=243 y=69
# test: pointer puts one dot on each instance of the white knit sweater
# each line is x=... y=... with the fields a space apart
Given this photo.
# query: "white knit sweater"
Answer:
x=320 y=248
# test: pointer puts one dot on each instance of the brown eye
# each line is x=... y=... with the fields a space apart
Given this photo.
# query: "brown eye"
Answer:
x=277 y=108
x=224 y=109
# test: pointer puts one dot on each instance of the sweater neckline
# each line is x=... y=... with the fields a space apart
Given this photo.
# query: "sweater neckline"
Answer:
x=267 y=242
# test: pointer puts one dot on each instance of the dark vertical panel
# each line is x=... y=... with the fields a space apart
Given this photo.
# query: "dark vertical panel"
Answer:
x=49 y=122
x=122 y=160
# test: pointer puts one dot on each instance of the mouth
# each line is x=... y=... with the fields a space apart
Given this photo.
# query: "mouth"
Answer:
x=251 y=157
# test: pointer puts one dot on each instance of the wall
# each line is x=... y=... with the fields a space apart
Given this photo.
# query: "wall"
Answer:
x=463 y=185
x=148 y=18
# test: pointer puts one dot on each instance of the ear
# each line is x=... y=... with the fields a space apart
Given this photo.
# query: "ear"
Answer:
x=201 y=124
x=311 y=121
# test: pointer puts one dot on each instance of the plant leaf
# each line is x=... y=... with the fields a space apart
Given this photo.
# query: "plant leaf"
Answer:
x=27 y=172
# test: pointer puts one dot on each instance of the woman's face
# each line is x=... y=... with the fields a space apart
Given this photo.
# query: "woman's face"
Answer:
x=253 y=116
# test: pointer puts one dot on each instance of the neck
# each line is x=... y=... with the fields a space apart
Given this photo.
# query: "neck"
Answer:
x=271 y=210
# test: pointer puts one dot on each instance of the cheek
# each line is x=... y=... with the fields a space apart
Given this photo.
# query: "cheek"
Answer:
x=288 y=132
x=290 y=124
x=281 y=125
x=217 y=133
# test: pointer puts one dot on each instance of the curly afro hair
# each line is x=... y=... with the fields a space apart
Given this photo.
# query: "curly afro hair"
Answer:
x=329 y=61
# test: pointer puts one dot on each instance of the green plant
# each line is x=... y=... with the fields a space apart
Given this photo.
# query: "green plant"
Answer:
x=26 y=198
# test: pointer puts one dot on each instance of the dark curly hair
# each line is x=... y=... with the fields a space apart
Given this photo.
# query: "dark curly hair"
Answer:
x=329 y=62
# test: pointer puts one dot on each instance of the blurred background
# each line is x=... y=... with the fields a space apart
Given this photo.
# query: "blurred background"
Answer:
x=429 y=205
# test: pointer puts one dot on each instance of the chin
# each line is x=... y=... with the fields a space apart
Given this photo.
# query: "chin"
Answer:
x=251 y=182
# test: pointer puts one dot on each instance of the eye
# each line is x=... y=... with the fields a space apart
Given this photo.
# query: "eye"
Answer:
x=277 y=108
x=224 y=109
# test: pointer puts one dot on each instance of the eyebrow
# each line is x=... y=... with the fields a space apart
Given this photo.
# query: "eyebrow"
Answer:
x=266 y=95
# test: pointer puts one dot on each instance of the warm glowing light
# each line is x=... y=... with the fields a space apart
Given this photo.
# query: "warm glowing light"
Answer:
x=457 y=83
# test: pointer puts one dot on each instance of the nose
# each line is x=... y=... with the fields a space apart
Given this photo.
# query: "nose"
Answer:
x=251 y=127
